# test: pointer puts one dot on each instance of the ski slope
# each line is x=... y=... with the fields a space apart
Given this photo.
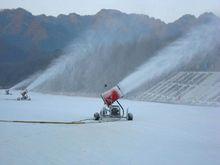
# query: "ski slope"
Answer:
x=161 y=134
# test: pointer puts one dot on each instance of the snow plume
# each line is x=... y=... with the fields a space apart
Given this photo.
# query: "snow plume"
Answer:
x=195 y=45
x=23 y=84
x=63 y=67
x=57 y=67
x=82 y=68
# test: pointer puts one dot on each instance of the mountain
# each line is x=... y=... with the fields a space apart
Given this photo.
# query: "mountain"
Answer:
x=26 y=39
x=127 y=40
x=34 y=35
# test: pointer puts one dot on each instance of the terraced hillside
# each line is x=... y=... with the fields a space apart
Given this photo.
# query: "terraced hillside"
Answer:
x=196 y=88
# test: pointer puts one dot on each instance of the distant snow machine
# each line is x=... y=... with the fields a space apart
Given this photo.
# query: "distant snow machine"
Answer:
x=110 y=111
x=7 y=92
x=24 y=96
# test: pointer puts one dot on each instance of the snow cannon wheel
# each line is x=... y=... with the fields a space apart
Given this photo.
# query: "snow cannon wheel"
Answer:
x=129 y=116
x=96 y=116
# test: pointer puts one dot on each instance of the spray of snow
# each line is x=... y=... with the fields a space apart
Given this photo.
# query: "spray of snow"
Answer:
x=82 y=63
x=72 y=71
x=23 y=84
x=195 y=45
x=73 y=53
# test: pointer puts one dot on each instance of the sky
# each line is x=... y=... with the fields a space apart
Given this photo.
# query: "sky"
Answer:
x=166 y=10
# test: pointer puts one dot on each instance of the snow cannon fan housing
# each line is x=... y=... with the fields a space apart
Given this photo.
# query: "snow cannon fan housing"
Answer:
x=112 y=95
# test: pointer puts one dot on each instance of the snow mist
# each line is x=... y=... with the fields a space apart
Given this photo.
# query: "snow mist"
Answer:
x=61 y=73
x=93 y=58
x=193 y=46
x=26 y=82
x=85 y=64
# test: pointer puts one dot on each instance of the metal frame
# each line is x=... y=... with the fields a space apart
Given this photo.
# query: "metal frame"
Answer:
x=121 y=109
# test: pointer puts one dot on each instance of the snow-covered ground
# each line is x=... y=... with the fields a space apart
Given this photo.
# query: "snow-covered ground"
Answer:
x=161 y=134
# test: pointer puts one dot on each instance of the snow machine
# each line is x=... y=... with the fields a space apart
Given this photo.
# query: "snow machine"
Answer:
x=112 y=111
x=7 y=92
x=27 y=98
x=24 y=96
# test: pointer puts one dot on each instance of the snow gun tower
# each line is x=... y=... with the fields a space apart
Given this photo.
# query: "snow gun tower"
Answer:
x=112 y=111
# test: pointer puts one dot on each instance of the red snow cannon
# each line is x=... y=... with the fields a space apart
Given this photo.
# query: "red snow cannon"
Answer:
x=112 y=95
x=112 y=112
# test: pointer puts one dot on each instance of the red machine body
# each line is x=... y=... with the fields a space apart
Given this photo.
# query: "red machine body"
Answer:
x=112 y=95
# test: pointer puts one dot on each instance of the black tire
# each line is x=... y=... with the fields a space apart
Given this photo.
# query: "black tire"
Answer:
x=96 y=116
x=129 y=116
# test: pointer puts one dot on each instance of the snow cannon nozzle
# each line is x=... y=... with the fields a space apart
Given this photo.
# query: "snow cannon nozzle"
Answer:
x=112 y=95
